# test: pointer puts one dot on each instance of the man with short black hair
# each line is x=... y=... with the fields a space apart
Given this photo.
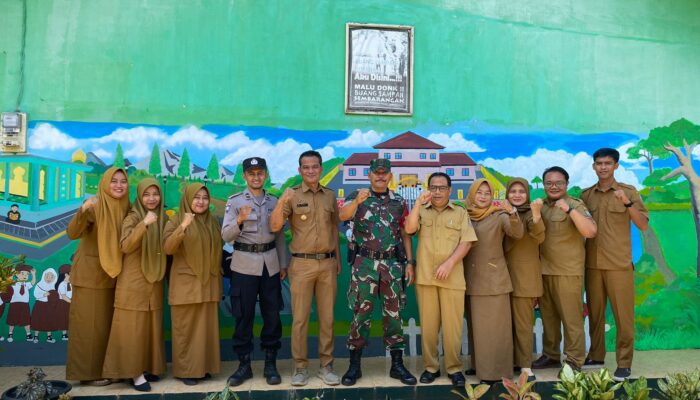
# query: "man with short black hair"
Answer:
x=258 y=264
x=609 y=269
x=312 y=212
x=445 y=235
x=567 y=223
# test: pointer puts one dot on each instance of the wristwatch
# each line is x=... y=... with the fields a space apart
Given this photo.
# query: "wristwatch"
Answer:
x=411 y=262
x=569 y=210
x=628 y=205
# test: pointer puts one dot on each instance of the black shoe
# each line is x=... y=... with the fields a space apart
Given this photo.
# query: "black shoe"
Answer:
x=398 y=371
x=545 y=362
x=487 y=382
x=206 y=377
x=151 y=377
x=189 y=381
x=592 y=363
x=30 y=337
x=429 y=377
x=457 y=379
x=144 y=387
x=272 y=376
x=354 y=370
x=470 y=372
x=516 y=370
x=622 y=374
x=243 y=373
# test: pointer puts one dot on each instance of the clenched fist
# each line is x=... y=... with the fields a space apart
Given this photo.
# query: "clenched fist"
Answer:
x=244 y=213
x=89 y=203
x=621 y=197
x=150 y=218
x=187 y=220
x=562 y=205
x=424 y=197
x=362 y=195
x=287 y=195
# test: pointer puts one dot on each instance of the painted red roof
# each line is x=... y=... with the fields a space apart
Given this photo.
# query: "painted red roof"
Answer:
x=408 y=140
x=456 y=159
x=360 y=158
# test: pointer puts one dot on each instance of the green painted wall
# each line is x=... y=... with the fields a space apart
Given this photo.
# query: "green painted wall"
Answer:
x=626 y=65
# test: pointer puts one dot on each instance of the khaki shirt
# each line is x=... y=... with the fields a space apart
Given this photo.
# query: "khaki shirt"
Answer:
x=562 y=252
x=439 y=234
x=87 y=271
x=133 y=291
x=611 y=249
x=523 y=258
x=313 y=218
x=183 y=286
x=254 y=230
x=485 y=265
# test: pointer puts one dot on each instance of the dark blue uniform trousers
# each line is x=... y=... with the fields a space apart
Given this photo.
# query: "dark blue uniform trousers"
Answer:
x=246 y=290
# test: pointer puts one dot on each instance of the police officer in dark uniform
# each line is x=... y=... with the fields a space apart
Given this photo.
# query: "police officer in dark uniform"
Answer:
x=258 y=265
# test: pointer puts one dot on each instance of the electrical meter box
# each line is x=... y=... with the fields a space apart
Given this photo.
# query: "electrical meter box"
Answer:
x=13 y=132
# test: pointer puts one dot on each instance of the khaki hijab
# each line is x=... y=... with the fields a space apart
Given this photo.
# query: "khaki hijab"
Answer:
x=152 y=255
x=202 y=243
x=525 y=207
x=109 y=215
x=475 y=213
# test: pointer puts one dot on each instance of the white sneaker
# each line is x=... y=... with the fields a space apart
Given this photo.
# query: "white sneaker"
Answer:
x=328 y=376
x=2 y=338
x=300 y=377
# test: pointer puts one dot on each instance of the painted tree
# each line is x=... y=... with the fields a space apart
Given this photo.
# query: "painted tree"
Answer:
x=183 y=170
x=213 y=169
x=649 y=149
x=154 y=167
x=119 y=157
x=680 y=138
x=537 y=180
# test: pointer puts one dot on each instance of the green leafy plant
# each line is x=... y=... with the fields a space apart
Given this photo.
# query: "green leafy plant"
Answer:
x=35 y=387
x=601 y=386
x=681 y=386
x=226 y=394
x=520 y=389
x=472 y=393
x=7 y=270
x=637 y=390
x=571 y=385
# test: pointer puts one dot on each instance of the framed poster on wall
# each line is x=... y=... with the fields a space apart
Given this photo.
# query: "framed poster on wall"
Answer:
x=378 y=69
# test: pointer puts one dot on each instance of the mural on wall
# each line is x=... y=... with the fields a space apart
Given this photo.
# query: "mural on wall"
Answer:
x=40 y=191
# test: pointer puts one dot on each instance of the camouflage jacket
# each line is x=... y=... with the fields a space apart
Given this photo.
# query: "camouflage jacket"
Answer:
x=378 y=220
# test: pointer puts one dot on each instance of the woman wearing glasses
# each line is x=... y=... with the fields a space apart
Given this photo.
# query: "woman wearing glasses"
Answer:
x=488 y=283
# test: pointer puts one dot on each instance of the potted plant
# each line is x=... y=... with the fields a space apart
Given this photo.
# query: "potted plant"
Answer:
x=520 y=389
x=36 y=388
x=681 y=386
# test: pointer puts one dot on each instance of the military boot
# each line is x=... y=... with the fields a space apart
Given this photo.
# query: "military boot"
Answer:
x=398 y=371
x=244 y=371
x=354 y=372
x=272 y=377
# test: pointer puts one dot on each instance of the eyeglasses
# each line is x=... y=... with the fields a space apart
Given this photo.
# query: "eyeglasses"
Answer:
x=439 y=189
x=550 y=184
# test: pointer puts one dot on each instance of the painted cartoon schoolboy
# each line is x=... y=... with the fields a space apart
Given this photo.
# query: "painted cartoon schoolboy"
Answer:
x=19 y=314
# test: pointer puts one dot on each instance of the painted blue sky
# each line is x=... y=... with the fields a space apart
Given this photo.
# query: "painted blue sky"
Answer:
x=512 y=151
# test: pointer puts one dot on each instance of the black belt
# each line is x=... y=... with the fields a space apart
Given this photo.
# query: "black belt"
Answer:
x=314 y=256
x=377 y=255
x=254 y=248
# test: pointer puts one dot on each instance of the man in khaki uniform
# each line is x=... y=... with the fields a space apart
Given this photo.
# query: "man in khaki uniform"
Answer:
x=445 y=236
x=312 y=211
x=609 y=269
x=567 y=222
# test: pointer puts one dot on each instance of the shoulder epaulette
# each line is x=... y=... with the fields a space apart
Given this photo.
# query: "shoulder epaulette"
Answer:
x=235 y=195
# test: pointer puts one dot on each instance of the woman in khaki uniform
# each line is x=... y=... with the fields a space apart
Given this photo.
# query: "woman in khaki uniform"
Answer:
x=97 y=261
x=488 y=283
x=136 y=343
x=193 y=238
x=523 y=258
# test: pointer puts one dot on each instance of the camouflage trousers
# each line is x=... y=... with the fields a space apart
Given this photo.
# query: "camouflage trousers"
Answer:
x=373 y=280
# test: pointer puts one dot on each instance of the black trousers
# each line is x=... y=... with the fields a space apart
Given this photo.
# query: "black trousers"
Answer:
x=246 y=290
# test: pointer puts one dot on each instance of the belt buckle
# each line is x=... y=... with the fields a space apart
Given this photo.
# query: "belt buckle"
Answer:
x=319 y=256
x=257 y=247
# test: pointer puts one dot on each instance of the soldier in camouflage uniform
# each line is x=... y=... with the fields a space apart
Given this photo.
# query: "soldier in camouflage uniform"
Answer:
x=381 y=247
